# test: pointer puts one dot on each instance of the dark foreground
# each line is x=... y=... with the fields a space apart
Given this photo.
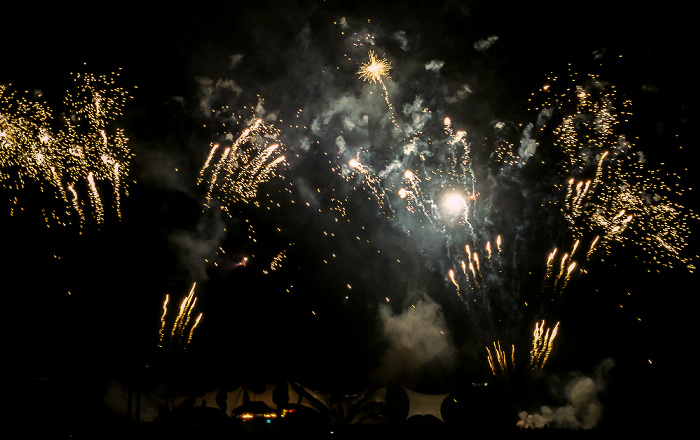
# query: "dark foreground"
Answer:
x=233 y=430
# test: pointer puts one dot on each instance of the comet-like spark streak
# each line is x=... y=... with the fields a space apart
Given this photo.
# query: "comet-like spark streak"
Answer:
x=162 y=321
x=499 y=365
x=181 y=332
x=542 y=344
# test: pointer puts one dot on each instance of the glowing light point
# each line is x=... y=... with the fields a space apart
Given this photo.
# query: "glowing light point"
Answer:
x=454 y=203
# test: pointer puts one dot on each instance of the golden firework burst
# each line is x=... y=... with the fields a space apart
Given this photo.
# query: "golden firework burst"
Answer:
x=375 y=69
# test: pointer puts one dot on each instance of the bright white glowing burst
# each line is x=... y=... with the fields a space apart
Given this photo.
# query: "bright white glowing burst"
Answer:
x=454 y=204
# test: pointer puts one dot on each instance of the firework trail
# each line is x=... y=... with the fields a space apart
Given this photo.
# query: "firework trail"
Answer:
x=502 y=366
x=70 y=154
x=374 y=71
x=373 y=184
x=182 y=328
x=542 y=344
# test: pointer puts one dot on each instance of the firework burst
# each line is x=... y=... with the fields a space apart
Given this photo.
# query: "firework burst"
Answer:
x=374 y=70
x=608 y=190
x=69 y=156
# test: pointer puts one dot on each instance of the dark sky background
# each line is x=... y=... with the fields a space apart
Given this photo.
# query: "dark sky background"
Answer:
x=84 y=308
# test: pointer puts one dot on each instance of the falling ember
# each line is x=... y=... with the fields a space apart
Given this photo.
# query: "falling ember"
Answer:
x=208 y=161
x=372 y=181
x=189 y=337
x=76 y=204
x=117 y=196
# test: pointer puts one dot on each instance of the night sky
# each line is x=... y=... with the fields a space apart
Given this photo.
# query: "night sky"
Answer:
x=356 y=299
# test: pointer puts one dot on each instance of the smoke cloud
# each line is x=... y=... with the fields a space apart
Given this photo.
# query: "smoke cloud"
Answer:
x=485 y=43
x=417 y=341
x=583 y=409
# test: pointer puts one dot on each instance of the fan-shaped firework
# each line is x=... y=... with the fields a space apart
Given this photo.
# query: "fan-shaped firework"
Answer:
x=182 y=327
x=251 y=159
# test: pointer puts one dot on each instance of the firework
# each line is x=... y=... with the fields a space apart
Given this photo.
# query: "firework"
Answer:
x=251 y=160
x=609 y=192
x=182 y=328
x=499 y=362
x=564 y=190
x=71 y=154
x=373 y=182
x=606 y=196
x=374 y=70
x=542 y=344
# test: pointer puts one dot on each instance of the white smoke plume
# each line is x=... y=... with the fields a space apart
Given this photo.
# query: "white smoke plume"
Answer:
x=434 y=65
x=583 y=409
x=401 y=38
x=485 y=43
x=417 y=340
